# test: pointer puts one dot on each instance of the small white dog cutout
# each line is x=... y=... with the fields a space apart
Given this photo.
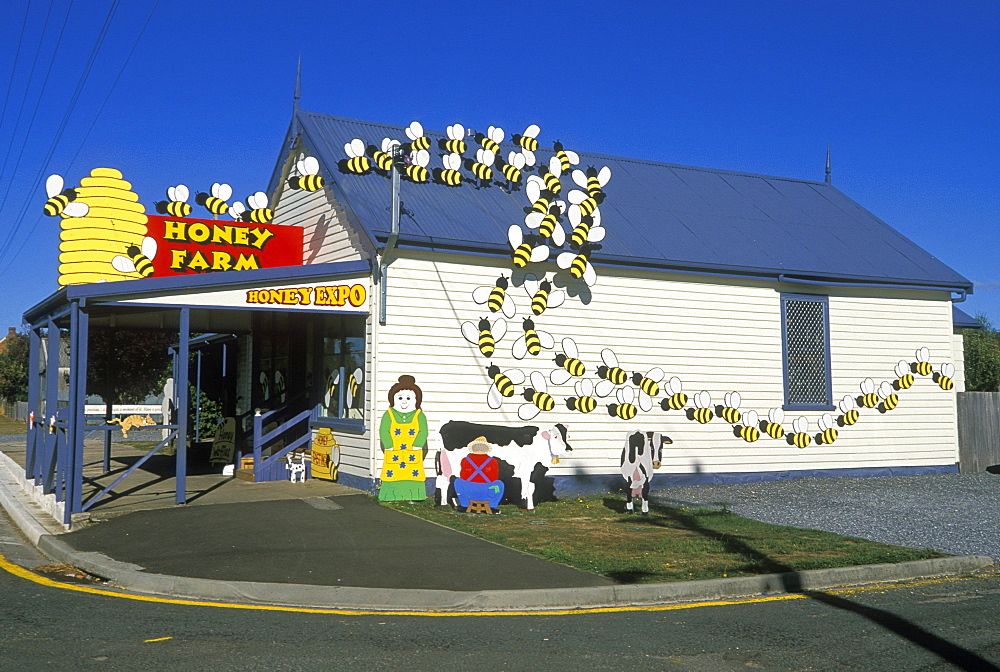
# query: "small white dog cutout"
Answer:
x=296 y=467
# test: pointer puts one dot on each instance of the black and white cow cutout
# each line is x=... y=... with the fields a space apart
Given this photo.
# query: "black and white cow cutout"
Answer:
x=641 y=456
x=524 y=454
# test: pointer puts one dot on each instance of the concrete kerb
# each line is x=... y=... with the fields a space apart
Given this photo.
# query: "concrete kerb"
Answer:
x=131 y=577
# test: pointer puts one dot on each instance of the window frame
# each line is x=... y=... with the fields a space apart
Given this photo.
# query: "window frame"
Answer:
x=825 y=301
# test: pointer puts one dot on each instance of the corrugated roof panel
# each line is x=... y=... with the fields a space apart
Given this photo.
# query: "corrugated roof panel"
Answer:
x=653 y=211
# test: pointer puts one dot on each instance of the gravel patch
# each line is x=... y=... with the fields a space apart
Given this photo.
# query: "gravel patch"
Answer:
x=952 y=513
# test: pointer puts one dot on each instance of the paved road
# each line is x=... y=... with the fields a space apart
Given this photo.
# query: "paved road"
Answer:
x=944 y=625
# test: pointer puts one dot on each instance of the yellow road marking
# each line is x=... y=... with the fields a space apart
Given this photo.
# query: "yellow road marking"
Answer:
x=159 y=639
x=16 y=570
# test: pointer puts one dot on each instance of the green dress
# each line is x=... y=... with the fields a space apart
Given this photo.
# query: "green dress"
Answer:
x=403 y=463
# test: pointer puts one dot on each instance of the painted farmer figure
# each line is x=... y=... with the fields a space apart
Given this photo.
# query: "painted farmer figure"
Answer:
x=479 y=478
x=403 y=434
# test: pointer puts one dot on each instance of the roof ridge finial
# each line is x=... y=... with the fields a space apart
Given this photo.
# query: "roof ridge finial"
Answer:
x=827 y=179
x=298 y=86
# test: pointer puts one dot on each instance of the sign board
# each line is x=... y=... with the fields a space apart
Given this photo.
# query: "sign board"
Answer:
x=124 y=409
x=189 y=246
x=224 y=446
x=336 y=296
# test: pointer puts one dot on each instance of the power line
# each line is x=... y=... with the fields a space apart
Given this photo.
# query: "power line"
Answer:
x=17 y=57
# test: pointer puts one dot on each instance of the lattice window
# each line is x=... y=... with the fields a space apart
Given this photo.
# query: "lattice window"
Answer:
x=807 y=351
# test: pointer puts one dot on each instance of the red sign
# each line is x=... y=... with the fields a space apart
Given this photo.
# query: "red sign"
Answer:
x=186 y=246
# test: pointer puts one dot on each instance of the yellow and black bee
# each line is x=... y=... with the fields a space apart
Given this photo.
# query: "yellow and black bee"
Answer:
x=485 y=335
x=175 y=205
x=482 y=167
x=773 y=427
x=537 y=397
x=455 y=144
x=944 y=377
x=849 y=412
x=137 y=259
x=922 y=365
x=649 y=386
x=529 y=139
x=548 y=225
x=702 y=411
x=525 y=250
x=418 y=141
x=259 y=212
x=578 y=264
x=308 y=178
x=384 y=158
x=542 y=295
x=357 y=161
x=677 y=399
x=568 y=362
x=215 y=202
x=593 y=181
x=491 y=139
x=62 y=201
x=610 y=372
x=503 y=384
x=750 y=431
x=584 y=203
x=567 y=159
x=904 y=379
x=512 y=169
x=550 y=175
x=889 y=398
x=625 y=408
x=495 y=297
x=532 y=341
x=730 y=409
x=416 y=169
x=828 y=431
x=800 y=433
x=449 y=175
x=584 y=401
x=868 y=397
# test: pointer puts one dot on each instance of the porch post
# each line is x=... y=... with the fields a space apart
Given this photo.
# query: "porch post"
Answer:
x=77 y=417
x=34 y=412
x=181 y=390
x=47 y=468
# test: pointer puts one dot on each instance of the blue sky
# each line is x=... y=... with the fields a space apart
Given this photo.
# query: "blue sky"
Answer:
x=907 y=94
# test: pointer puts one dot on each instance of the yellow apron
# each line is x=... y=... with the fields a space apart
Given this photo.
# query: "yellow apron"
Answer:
x=403 y=462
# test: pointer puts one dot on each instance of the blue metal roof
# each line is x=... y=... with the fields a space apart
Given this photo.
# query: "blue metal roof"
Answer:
x=657 y=215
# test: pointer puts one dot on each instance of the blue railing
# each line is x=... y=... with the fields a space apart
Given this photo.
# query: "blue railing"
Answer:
x=170 y=437
x=269 y=469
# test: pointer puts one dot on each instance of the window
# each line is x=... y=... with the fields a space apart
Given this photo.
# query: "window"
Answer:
x=805 y=331
x=341 y=345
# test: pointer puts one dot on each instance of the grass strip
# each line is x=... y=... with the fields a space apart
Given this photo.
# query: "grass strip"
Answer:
x=595 y=534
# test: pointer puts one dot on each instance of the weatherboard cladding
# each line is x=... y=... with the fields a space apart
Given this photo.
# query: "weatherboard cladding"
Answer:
x=656 y=214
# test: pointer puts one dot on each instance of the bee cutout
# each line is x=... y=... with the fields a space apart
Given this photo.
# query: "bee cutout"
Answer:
x=904 y=379
x=542 y=295
x=482 y=167
x=567 y=159
x=308 y=178
x=259 y=212
x=610 y=373
x=625 y=408
x=773 y=427
x=215 y=202
x=62 y=201
x=385 y=157
x=418 y=141
x=548 y=224
x=512 y=169
x=357 y=161
x=550 y=175
x=491 y=140
x=922 y=365
x=828 y=429
x=849 y=411
x=175 y=205
x=730 y=409
x=649 y=386
x=455 y=144
x=585 y=229
x=528 y=141
x=484 y=334
x=749 y=431
x=568 y=362
x=889 y=398
x=137 y=259
x=354 y=381
x=593 y=181
x=584 y=401
x=584 y=203
x=537 y=397
x=524 y=251
x=416 y=170
x=676 y=399
x=237 y=210
x=449 y=175
x=579 y=266
x=702 y=411
x=495 y=297
x=799 y=436
x=542 y=198
x=502 y=385
x=868 y=398
x=944 y=377
x=531 y=342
